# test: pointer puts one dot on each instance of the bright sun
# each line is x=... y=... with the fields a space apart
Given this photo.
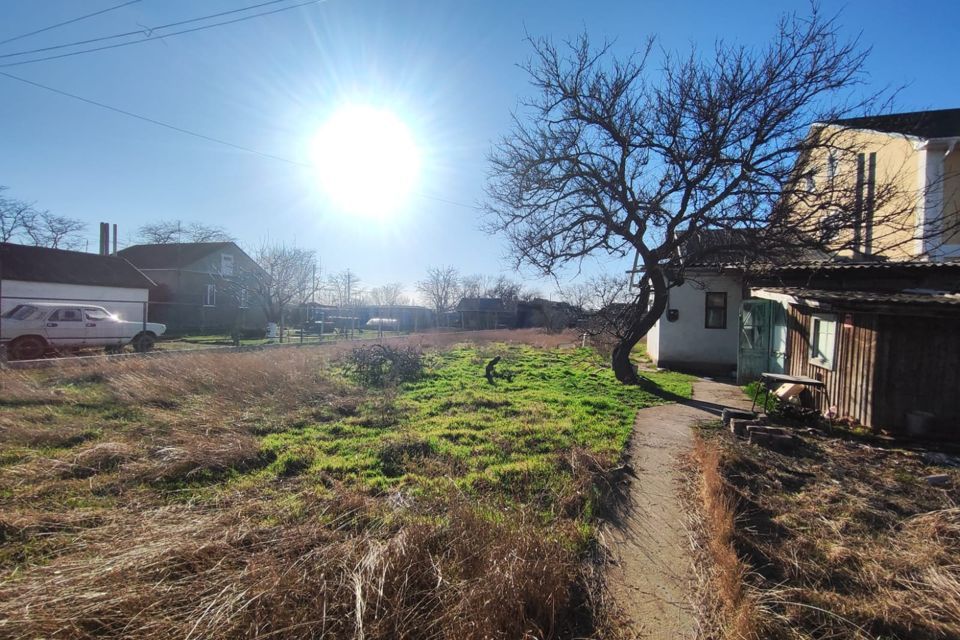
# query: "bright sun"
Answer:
x=367 y=160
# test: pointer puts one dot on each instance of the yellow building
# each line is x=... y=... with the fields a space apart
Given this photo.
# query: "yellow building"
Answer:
x=899 y=177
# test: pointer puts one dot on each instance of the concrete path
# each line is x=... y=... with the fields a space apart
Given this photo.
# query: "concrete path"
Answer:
x=652 y=578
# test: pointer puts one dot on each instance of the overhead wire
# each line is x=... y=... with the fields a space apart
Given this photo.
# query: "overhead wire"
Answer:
x=195 y=134
x=71 y=21
x=150 y=37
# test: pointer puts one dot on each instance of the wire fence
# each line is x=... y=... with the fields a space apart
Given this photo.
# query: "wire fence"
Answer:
x=190 y=325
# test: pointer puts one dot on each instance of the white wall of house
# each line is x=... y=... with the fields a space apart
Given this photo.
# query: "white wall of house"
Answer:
x=686 y=343
x=125 y=302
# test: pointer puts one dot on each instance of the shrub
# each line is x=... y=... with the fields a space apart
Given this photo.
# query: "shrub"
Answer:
x=378 y=365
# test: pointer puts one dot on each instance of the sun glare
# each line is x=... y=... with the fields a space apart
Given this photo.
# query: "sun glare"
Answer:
x=366 y=159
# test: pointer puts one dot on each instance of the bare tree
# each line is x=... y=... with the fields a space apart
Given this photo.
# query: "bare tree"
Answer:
x=343 y=289
x=610 y=158
x=475 y=285
x=174 y=231
x=285 y=277
x=387 y=295
x=16 y=216
x=21 y=222
x=440 y=289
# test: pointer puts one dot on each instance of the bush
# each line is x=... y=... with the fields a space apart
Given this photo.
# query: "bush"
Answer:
x=378 y=365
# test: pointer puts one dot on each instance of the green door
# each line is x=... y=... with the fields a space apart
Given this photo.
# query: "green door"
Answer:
x=754 y=351
x=763 y=340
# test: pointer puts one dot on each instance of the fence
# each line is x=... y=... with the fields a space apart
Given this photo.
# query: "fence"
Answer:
x=192 y=325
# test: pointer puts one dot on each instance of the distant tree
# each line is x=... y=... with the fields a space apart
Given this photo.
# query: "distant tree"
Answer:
x=475 y=285
x=343 y=289
x=386 y=295
x=21 y=222
x=611 y=158
x=285 y=278
x=440 y=289
x=174 y=231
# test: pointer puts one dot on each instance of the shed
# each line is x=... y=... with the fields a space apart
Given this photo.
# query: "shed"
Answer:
x=30 y=273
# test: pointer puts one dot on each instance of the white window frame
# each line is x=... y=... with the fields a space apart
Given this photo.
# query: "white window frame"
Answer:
x=210 y=297
x=243 y=298
x=226 y=259
x=823 y=340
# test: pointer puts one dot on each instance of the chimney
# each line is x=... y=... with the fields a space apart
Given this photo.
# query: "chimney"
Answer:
x=114 y=238
x=104 y=238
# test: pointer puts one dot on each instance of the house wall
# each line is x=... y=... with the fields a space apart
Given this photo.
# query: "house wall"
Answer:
x=850 y=384
x=951 y=198
x=125 y=302
x=687 y=344
x=899 y=186
x=885 y=366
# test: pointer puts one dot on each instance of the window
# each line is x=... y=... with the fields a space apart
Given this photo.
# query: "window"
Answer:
x=22 y=312
x=210 y=297
x=716 y=316
x=65 y=315
x=832 y=165
x=96 y=315
x=226 y=264
x=243 y=298
x=823 y=340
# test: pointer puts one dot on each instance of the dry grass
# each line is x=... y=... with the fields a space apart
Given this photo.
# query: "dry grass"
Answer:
x=841 y=540
x=338 y=569
x=137 y=502
x=730 y=607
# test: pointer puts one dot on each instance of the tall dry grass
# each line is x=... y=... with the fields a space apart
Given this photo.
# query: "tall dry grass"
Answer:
x=339 y=571
x=732 y=606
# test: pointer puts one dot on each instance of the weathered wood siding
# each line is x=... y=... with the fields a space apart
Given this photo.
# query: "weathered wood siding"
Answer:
x=850 y=385
x=885 y=366
x=918 y=369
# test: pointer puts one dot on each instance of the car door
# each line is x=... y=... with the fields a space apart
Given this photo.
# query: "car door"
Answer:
x=102 y=328
x=64 y=327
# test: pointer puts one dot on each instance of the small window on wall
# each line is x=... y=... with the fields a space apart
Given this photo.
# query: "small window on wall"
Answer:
x=210 y=296
x=823 y=340
x=226 y=264
x=716 y=310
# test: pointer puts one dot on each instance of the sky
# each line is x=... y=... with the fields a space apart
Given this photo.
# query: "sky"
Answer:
x=448 y=69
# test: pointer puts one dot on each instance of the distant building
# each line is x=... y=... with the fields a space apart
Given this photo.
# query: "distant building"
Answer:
x=199 y=285
x=487 y=313
x=40 y=274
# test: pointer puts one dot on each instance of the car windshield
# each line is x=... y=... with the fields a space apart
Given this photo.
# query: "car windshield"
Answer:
x=22 y=312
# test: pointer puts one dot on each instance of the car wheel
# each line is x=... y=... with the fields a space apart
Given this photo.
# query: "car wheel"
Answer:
x=143 y=343
x=27 y=348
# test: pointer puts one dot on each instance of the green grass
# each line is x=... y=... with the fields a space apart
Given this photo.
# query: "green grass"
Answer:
x=509 y=437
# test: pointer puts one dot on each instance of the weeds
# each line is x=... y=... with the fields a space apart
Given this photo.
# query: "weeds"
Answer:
x=252 y=495
x=832 y=543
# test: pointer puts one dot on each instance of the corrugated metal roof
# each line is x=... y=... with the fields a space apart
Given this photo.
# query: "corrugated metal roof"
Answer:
x=40 y=264
x=907 y=297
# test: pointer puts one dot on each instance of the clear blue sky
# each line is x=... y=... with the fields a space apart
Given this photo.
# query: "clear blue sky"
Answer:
x=447 y=67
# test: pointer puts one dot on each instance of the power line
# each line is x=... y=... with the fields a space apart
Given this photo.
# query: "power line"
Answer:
x=159 y=123
x=146 y=31
x=195 y=134
x=71 y=21
x=151 y=38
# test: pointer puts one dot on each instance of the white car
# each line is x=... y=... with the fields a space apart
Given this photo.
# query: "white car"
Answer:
x=31 y=330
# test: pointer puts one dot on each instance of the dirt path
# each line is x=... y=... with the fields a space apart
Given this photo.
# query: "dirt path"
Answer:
x=651 y=578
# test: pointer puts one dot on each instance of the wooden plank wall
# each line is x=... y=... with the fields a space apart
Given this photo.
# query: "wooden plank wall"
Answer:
x=918 y=369
x=885 y=366
x=850 y=385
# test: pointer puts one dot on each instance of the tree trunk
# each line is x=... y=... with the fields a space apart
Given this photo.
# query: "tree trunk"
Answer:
x=644 y=316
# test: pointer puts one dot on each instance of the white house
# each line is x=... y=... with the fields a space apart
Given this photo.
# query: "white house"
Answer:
x=37 y=273
x=698 y=331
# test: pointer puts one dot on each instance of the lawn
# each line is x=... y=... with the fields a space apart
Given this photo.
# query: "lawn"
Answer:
x=223 y=495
